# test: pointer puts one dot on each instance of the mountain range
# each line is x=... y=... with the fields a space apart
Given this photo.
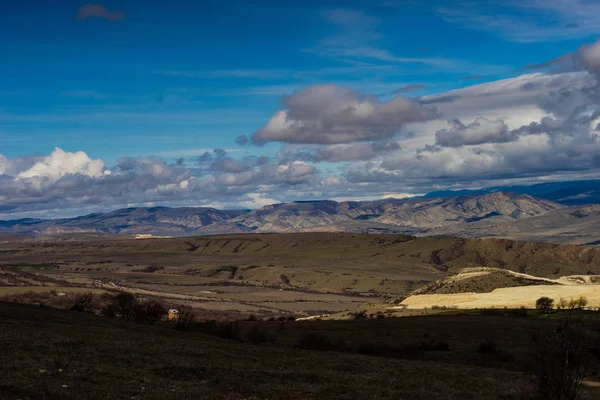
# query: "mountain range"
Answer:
x=482 y=215
x=557 y=214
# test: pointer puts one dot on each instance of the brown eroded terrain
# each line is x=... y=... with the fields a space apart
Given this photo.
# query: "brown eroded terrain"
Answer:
x=310 y=273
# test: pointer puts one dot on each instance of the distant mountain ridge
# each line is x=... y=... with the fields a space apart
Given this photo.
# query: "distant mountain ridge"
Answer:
x=414 y=216
x=391 y=215
x=569 y=193
x=153 y=220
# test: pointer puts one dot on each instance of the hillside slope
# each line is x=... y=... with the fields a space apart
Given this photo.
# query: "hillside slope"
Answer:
x=575 y=225
x=52 y=354
x=324 y=262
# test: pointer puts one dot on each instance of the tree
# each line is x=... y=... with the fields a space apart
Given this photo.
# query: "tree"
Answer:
x=582 y=302
x=125 y=305
x=562 y=359
x=562 y=304
x=573 y=304
x=149 y=312
x=83 y=302
x=544 y=304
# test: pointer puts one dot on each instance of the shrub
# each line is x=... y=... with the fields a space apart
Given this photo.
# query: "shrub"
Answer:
x=83 y=302
x=149 y=312
x=359 y=315
x=582 y=302
x=185 y=318
x=573 y=303
x=109 y=311
x=544 y=304
x=562 y=359
x=562 y=304
x=125 y=305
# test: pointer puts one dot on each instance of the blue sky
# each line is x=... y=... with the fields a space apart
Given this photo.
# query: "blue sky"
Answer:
x=179 y=78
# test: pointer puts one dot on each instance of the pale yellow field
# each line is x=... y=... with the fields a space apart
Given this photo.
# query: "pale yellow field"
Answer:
x=512 y=297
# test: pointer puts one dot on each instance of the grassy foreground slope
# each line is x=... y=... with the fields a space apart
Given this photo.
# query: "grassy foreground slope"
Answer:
x=52 y=354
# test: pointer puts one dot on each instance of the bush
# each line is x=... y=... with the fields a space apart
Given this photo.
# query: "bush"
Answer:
x=149 y=312
x=125 y=304
x=359 y=315
x=83 y=302
x=544 y=304
x=185 y=318
x=562 y=304
x=582 y=302
x=109 y=311
x=562 y=359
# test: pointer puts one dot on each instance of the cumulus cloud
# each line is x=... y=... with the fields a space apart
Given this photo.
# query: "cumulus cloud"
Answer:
x=64 y=180
x=480 y=131
x=525 y=129
x=564 y=142
x=60 y=163
x=330 y=114
x=98 y=11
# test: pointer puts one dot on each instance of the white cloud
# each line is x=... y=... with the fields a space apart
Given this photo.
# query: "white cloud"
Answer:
x=480 y=131
x=60 y=163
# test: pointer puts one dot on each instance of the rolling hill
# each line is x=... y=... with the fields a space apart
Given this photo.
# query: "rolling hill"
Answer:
x=369 y=265
x=54 y=354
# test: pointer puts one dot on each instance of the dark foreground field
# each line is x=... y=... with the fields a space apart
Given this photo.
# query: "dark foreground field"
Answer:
x=54 y=354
